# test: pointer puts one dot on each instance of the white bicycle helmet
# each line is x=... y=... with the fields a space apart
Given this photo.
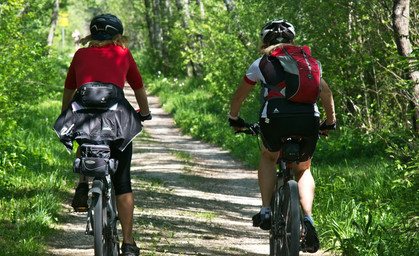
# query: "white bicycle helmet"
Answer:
x=277 y=31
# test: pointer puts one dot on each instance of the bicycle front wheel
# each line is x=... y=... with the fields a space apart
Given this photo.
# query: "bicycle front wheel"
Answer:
x=290 y=237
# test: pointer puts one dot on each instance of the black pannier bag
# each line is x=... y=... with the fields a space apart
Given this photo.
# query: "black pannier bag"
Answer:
x=98 y=95
x=95 y=161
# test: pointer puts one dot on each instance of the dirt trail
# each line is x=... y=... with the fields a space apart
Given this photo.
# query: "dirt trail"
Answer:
x=191 y=198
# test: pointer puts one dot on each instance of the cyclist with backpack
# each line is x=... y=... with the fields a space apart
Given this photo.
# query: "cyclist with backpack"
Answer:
x=286 y=111
x=107 y=60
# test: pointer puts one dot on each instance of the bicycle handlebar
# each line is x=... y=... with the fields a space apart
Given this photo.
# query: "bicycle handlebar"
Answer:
x=254 y=128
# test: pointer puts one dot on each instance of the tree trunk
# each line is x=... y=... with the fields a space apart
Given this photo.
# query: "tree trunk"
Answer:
x=157 y=28
x=197 y=47
x=54 y=21
x=167 y=20
x=149 y=21
x=201 y=9
x=401 y=18
x=183 y=8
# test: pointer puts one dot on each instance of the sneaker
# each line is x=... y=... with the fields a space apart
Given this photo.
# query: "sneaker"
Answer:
x=80 y=198
x=310 y=241
x=130 y=250
x=262 y=221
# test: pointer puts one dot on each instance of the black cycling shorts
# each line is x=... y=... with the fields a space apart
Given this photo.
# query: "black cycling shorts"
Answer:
x=122 y=178
x=280 y=127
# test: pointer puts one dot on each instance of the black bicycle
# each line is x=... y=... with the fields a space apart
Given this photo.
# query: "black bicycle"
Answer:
x=95 y=161
x=287 y=225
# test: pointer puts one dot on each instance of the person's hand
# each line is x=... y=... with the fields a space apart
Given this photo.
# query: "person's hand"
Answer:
x=326 y=126
x=236 y=122
x=144 y=117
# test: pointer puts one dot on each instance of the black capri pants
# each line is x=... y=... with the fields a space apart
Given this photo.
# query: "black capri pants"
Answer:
x=306 y=126
x=122 y=177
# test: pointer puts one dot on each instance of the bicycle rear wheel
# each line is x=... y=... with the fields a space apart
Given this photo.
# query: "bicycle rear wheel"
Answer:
x=290 y=207
x=111 y=243
x=276 y=223
x=98 y=217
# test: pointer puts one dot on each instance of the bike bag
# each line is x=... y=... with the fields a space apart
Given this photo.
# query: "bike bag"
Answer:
x=291 y=149
x=98 y=95
x=95 y=161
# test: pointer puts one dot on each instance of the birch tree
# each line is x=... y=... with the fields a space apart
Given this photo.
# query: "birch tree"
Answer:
x=54 y=20
x=183 y=8
x=401 y=17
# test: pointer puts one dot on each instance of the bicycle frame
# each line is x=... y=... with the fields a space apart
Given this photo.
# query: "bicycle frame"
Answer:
x=103 y=226
x=287 y=219
x=101 y=221
x=286 y=226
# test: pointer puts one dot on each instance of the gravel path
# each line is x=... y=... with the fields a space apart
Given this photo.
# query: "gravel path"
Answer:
x=192 y=198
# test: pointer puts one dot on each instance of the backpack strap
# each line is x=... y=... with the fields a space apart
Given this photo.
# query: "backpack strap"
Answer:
x=271 y=87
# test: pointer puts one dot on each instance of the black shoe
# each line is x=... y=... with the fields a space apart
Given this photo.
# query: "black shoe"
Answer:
x=262 y=221
x=310 y=241
x=80 y=198
x=130 y=250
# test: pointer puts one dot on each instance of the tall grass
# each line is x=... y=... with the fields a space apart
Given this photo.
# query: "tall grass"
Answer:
x=34 y=177
x=360 y=205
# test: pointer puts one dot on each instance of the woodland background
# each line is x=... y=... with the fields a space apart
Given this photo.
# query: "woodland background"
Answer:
x=193 y=54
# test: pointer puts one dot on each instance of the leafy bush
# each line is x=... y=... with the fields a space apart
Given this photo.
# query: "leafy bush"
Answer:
x=32 y=179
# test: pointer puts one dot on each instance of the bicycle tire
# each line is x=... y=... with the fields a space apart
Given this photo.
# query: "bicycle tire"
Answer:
x=276 y=223
x=111 y=243
x=98 y=218
x=290 y=207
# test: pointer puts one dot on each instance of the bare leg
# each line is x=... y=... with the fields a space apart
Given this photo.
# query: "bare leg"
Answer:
x=306 y=185
x=266 y=175
x=125 y=204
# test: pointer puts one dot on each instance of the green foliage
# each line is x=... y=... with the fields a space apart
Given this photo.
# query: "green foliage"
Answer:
x=362 y=205
x=360 y=211
x=366 y=195
x=26 y=68
x=32 y=183
x=32 y=179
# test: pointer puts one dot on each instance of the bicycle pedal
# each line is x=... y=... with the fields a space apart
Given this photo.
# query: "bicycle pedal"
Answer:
x=80 y=209
x=87 y=233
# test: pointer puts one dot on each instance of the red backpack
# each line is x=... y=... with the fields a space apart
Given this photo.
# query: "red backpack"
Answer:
x=291 y=72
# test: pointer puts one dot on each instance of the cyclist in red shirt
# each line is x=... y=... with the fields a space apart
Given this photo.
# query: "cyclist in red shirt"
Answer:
x=107 y=60
x=292 y=119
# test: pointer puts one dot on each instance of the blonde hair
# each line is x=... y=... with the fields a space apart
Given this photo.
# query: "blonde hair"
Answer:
x=118 y=39
x=268 y=49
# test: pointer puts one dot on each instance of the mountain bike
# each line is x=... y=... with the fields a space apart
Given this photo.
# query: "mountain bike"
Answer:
x=287 y=225
x=102 y=216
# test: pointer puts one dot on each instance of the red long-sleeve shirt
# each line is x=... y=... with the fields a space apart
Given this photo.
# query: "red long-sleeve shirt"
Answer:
x=107 y=64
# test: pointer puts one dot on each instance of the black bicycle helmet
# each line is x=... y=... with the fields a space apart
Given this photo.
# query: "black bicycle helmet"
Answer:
x=105 y=26
x=277 y=31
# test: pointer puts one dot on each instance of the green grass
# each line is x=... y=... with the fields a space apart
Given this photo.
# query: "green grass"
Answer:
x=184 y=156
x=365 y=204
x=34 y=177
